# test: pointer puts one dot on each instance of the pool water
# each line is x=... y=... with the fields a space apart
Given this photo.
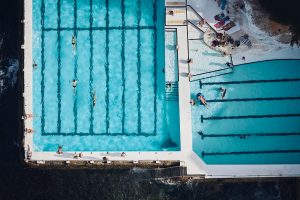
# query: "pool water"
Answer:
x=171 y=57
x=258 y=121
x=116 y=61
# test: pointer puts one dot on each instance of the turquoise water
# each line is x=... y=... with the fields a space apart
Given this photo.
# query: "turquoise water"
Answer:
x=171 y=57
x=116 y=59
x=258 y=122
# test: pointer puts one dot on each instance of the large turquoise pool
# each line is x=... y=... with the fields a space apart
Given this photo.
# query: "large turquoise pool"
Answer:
x=258 y=121
x=117 y=60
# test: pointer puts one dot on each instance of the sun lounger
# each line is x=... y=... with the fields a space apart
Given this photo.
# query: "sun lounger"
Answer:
x=228 y=26
x=221 y=23
x=219 y=17
x=223 y=4
x=246 y=41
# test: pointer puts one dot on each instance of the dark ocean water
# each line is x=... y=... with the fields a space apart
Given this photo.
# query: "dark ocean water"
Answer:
x=284 y=11
x=20 y=182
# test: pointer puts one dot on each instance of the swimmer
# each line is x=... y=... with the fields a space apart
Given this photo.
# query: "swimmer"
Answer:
x=168 y=85
x=243 y=136
x=192 y=102
x=201 y=99
x=94 y=98
x=73 y=41
x=74 y=84
x=229 y=64
x=223 y=92
x=34 y=65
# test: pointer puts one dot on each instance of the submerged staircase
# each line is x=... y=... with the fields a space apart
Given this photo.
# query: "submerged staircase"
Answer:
x=171 y=89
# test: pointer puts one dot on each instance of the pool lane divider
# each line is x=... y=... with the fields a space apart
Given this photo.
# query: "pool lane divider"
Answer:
x=75 y=67
x=203 y=154
x=59 y=67
x=247 y=117
x=139 y=66
x=91 y=129
x=123 y=63
x=155 y=63
x=248 y=82
x=100 y=28
x=244 y=135
x=107 y=66
x=253 y=99
x=143 y=134
x=43 y=67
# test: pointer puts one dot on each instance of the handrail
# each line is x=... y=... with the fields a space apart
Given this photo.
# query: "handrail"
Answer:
x=213 y=71
x=203 y=135
x=195 y=11
x=199 y=79
x=201 y=17
x=194 y=25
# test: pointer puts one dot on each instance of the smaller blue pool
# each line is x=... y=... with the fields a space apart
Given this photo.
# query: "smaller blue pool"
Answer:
x=257 y=122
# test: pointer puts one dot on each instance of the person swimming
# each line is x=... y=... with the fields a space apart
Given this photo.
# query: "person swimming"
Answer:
x=192 y=102
x=74 y=85
x=169 y=85
x=94 y=98
x=223 y=92
x=73 y=41
x=201 y=99
x=243 y=136
x=34 y=65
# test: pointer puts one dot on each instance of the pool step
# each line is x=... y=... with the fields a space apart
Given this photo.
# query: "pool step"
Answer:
x=171 y=89
x=211 y=74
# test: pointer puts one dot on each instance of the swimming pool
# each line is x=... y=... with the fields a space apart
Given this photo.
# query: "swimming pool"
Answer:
x=258 y=121
x=115 y=60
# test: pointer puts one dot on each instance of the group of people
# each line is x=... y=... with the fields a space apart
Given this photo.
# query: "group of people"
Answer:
x=222 y=39
x=74 y=85
x=76 y=156
x=200 y=97
x=74 y=81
